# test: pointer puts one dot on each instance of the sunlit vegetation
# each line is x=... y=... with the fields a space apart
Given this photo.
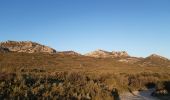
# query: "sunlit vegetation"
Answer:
x=60 y=77
x=74 y=85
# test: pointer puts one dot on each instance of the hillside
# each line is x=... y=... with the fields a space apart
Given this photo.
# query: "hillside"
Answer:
x=60 y=61
x=101 y=75
x=69 y=53
x=26 y=46
x=99 y=58
x=155 y=60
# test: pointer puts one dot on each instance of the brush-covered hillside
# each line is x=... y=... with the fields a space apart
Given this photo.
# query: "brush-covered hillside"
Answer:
x=30 y=72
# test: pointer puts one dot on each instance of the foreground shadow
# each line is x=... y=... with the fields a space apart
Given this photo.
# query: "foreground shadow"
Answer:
x=115 y=94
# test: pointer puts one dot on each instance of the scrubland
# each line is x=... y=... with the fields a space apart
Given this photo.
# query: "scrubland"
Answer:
x=68 y=77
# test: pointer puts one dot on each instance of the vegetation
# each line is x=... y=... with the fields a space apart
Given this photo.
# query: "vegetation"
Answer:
x=64 y=77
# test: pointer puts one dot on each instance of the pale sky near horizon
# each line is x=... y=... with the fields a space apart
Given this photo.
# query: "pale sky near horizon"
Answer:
x=140 y=27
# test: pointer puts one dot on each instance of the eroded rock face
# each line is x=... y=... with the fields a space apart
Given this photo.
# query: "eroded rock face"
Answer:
x=120 y=54
x=3 y=50
x=106 y=54
x=99 y=53
x=69 y=53
x=26 y=46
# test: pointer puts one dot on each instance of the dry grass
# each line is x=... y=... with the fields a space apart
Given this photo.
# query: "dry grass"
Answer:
x=84 y=77
x=59 y=62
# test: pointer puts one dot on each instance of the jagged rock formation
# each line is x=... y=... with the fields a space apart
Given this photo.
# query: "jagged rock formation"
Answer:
x=106 y=54
x=120 y=54
x=69 y=53
x=3 y=50
x=26 y=46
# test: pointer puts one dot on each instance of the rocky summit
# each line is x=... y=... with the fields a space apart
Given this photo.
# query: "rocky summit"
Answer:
x=120 y=54
x=106 y=54
x=26 y=46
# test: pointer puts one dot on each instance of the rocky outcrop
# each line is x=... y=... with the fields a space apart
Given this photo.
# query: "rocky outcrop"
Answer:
x=120 y=54
x=26 y=46
x=106 y=54
x=99 y=53
x=130 y=60
x=4 y=50
x=69 y=53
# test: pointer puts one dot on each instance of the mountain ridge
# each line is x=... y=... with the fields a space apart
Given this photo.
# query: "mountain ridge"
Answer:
x=26 y=46
x=33 y=47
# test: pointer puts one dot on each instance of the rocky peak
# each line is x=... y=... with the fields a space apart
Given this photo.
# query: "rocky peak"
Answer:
x=106 y=54
x=26 y=46
x=69 y=53
x=101 y=52
x=98 y=53
x=120 y=54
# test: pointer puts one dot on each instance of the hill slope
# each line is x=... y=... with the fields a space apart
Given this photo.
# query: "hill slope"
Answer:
x=26 y=46
x=106 y=58
x=154 y=60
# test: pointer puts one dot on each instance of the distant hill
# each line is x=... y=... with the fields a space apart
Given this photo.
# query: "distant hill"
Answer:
x=69 y=53
x=155 y=60
x=26 y=46
x=29 y=66
x=156 y=57
x=107 y=54
x=120 y=57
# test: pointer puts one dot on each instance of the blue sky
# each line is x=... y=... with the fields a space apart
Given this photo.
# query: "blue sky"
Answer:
x=140 y=27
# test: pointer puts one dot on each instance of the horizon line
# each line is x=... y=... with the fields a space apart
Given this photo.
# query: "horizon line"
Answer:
x=79 y=52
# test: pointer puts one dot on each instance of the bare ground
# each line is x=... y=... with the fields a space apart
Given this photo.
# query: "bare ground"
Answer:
x=138 y=95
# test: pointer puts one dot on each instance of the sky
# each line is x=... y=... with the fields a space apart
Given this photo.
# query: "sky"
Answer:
x=140 y=27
